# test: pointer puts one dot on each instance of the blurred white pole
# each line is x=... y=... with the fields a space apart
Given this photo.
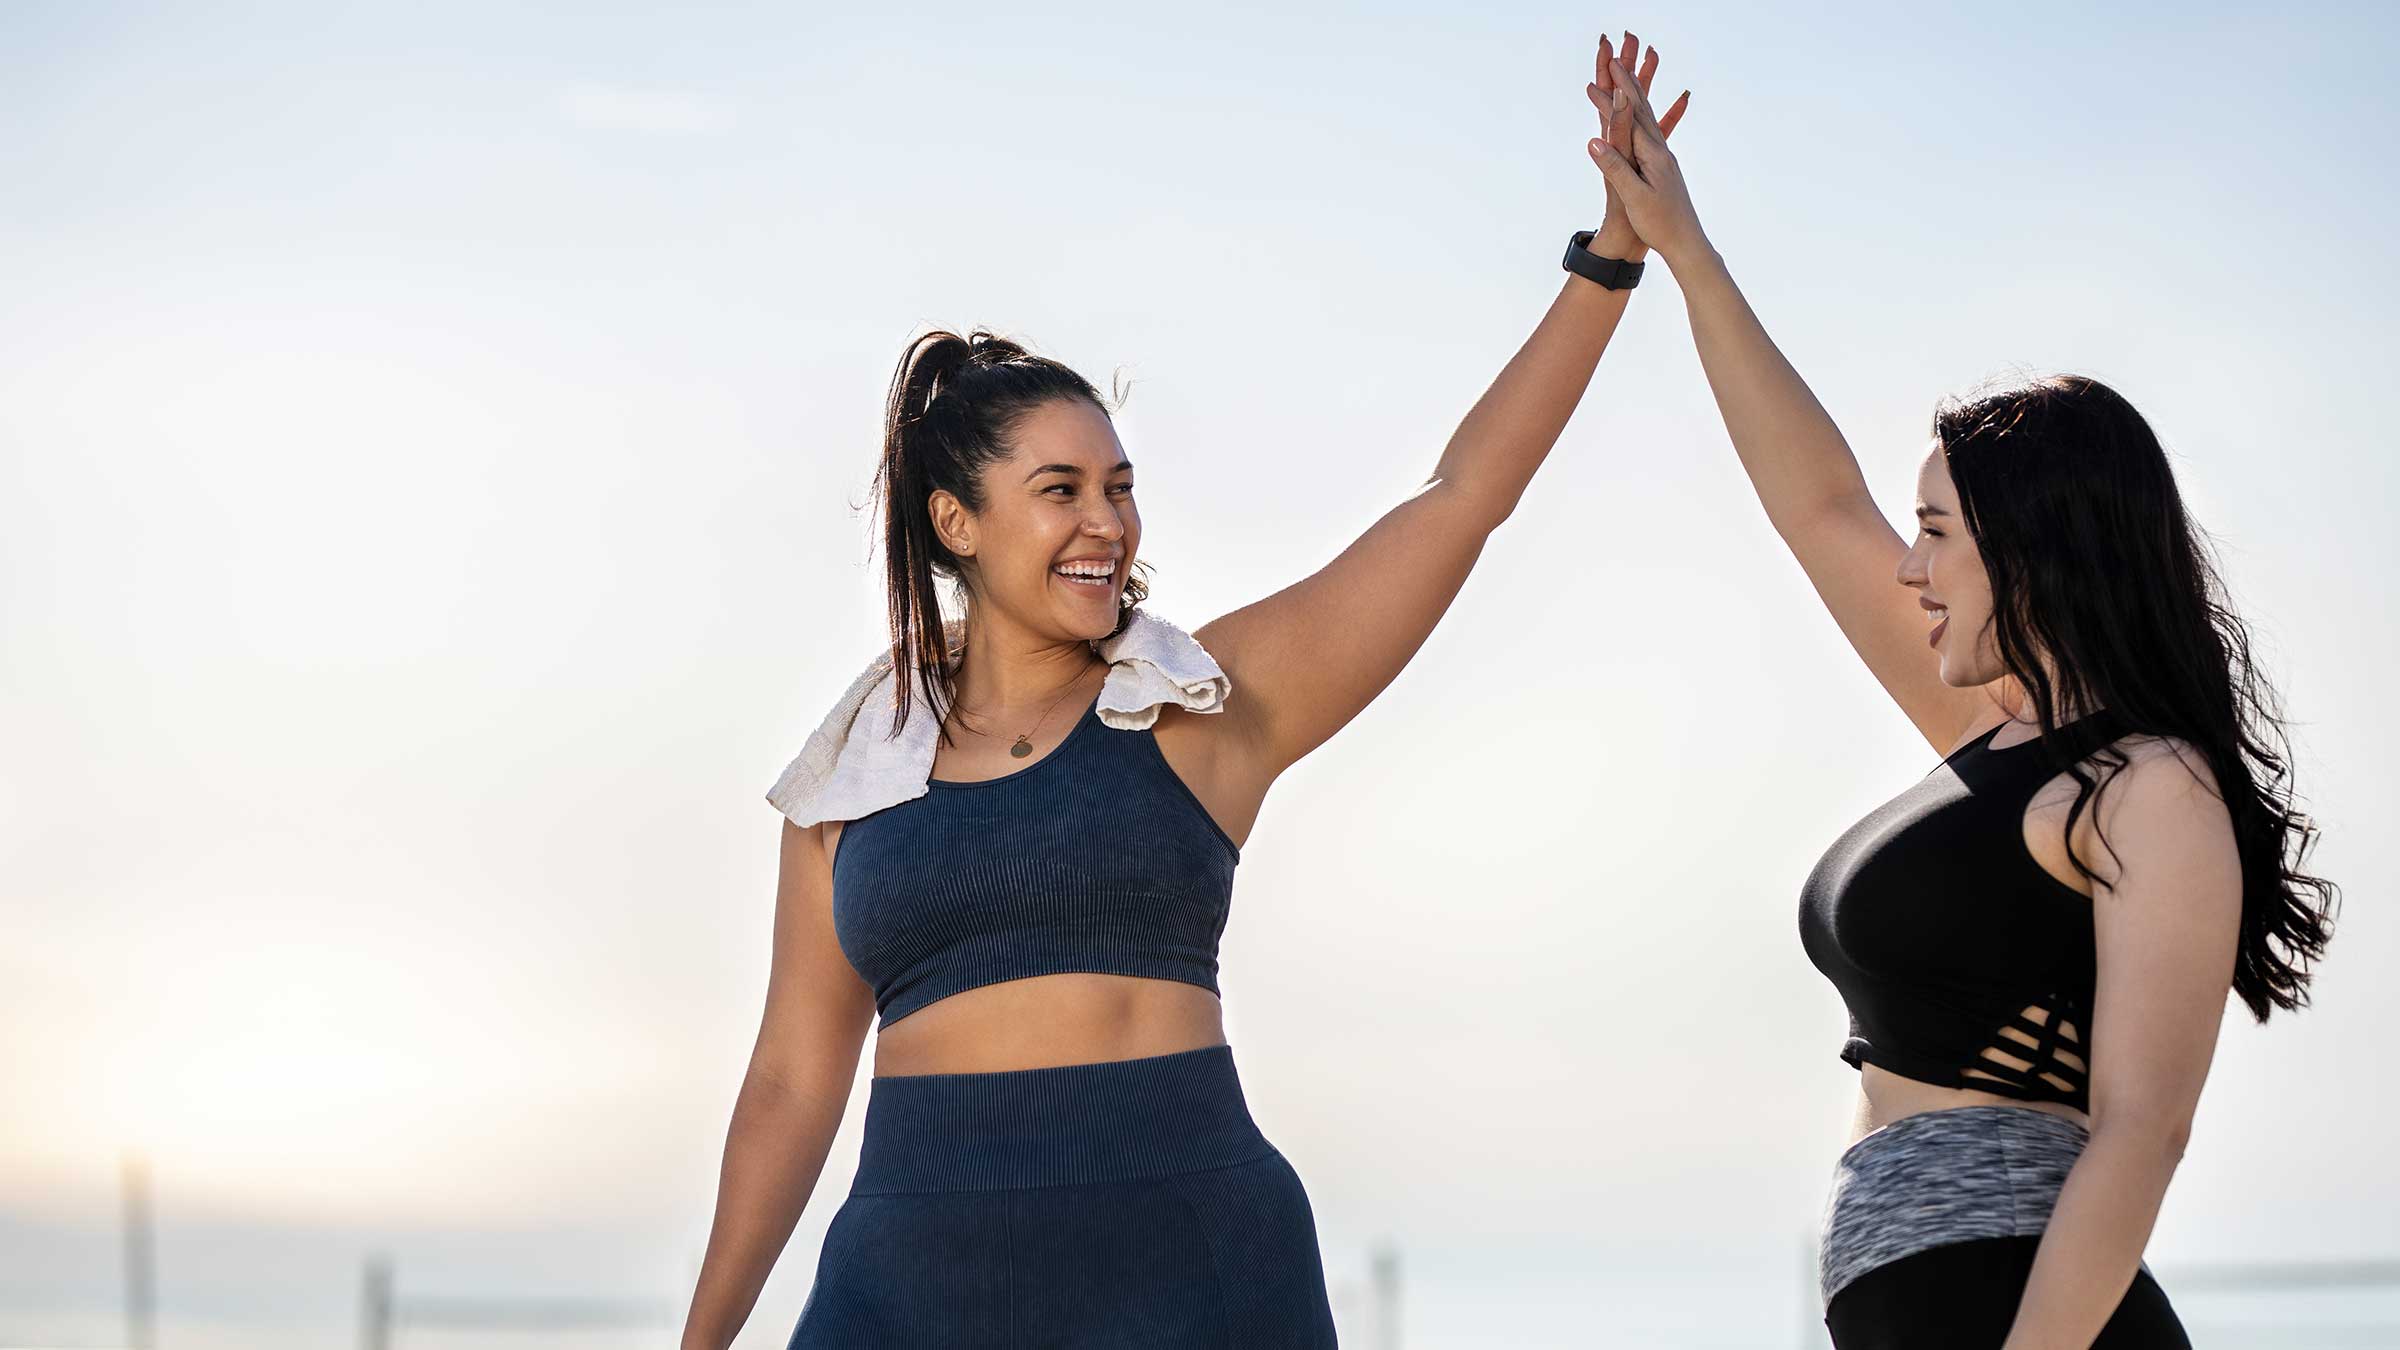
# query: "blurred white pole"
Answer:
x=375 y=1306
x=1813 y=1335
x=141 y=1270
x=1383 y=1265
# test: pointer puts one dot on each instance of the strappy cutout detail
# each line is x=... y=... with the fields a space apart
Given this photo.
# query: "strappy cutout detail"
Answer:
x=2038 y=1053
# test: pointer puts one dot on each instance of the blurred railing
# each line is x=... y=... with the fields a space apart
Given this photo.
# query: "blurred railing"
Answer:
x=1372 y=1309
x=383 y=1311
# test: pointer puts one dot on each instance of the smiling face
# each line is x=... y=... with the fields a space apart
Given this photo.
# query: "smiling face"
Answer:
x=1051 y=546
x=1946 y=571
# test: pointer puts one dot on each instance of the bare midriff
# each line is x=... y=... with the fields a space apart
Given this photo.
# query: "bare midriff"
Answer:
x=1046 y=1021
x=1884 y=1097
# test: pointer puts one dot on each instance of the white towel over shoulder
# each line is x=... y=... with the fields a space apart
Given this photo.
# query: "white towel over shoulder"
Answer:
x=853 y=765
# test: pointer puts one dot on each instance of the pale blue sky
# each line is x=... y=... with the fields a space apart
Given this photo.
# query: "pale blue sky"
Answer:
x=427 y=445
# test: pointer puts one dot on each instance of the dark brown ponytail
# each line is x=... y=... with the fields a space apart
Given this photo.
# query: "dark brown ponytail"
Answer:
x=953 y=403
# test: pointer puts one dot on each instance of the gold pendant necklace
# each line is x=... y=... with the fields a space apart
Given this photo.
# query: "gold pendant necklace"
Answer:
x=1024 y=743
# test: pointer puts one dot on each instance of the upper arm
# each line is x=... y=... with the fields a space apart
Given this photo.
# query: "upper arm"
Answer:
x=818 y=1009
x=1310 y=657
x=2166 y=917
x=1852 y=556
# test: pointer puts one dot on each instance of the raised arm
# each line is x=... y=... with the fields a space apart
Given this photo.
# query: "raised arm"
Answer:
x=1307 y=659
x=1803 y=470
x=791 y=1098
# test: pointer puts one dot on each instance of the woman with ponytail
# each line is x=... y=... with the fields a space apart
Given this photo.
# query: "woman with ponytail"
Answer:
x=1015 y=840
x=2036 y=940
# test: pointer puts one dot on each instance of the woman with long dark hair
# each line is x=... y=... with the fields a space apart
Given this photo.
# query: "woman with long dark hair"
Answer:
x=1015 y=839
x=2035 y=941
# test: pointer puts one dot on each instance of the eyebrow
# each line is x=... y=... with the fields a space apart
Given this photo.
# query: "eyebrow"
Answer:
x=1072 y=469
x=1924 y=511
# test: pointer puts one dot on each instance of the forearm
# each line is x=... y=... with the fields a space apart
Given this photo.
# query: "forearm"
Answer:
x=1795 y=456
x=2093 y=1245
x=1504 y=438
x=774 y=1150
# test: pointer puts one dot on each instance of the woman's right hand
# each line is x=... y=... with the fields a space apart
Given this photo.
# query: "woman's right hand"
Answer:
x=1641 y=171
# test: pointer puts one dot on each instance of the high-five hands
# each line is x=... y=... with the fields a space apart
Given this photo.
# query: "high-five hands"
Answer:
x=1648 y=204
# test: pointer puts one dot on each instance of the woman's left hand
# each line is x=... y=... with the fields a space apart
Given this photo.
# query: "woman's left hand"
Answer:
x=1615 y=237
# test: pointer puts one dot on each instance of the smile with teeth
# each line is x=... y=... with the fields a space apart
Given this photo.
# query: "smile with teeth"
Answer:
x=1096 y=573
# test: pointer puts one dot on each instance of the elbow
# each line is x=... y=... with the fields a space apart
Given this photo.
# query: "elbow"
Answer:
x=2169 y=1141
x=1473 y=506
x=2160 y=1136
x=778 y=1098
x=776 y=1078
x=781 y=1074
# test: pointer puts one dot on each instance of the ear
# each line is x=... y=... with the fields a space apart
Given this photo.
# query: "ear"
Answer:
x=953 y=524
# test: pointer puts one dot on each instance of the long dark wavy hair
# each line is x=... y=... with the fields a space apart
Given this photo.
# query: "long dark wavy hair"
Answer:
x=2104 y=596
x=954 y=406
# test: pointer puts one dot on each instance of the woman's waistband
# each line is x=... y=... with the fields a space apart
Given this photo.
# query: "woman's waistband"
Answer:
x=1939 y=1177
x=1119 y=1120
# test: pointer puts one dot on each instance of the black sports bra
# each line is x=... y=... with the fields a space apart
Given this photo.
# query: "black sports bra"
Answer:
x=1963 y=961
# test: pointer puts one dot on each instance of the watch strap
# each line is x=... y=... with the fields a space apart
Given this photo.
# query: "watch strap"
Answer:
x=1613 y=273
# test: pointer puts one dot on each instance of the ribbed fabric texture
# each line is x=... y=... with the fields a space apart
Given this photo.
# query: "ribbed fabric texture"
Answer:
x=1119 y=1120
x=1130 y=1203
x=1094 y=858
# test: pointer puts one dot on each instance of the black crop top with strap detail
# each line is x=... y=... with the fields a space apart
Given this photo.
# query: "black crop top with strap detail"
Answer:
x=1963 y=961
x=1094 y=858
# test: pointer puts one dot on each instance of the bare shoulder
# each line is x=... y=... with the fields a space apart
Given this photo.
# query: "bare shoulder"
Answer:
x=2159 y=769
x=2152 y=767
x=1211 y=753
x=1228 y=634
x=2160 y=807
x=1201 y=747
x=1232 y=641
x=1233 y=733
x=804 y=862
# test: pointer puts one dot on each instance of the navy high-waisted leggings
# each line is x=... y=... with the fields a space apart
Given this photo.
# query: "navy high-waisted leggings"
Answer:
x=1129 y=1203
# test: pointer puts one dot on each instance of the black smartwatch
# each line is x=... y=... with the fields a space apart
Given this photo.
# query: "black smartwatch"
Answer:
x=1613 y=273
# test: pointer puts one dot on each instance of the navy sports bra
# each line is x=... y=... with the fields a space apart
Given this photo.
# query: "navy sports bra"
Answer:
x=1963 y=961
x=1095 y=858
